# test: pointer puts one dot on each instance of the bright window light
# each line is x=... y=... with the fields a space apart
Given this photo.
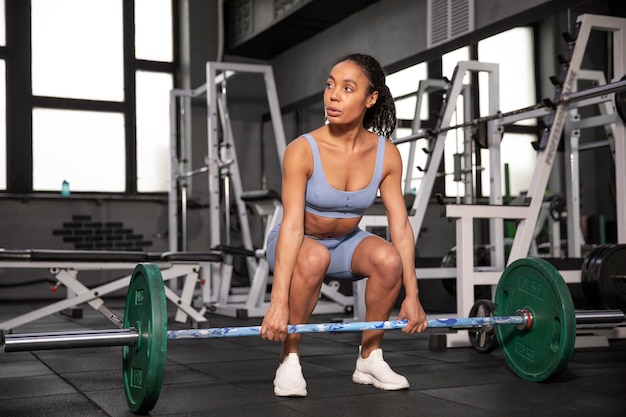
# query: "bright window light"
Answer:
x=450 y=60
x=153 y=30
x=3 y=126
x=403 y=83
x=87 y=149
x=454 y=138
x=77 y=49
x=3 y=36
x=405 y=108
x=406 y=81
x=153 y=131
x=515 y=150
x=517 y=81
x=419 y=161
x=517 y=90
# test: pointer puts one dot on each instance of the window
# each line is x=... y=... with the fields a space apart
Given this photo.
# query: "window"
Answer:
x=3 y=104
x=451 y=59
x=77 y=49
x=403 y=86
x=153 y=130
x=517 y=82
x=3 y=38
x=84 y=148
x=152 y=42
x=517 y=90
x=100 y=118
x=515 y=150
x=454 y=138
x=3 y=124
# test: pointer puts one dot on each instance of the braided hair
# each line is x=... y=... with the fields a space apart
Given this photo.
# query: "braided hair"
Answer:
x=381 y=117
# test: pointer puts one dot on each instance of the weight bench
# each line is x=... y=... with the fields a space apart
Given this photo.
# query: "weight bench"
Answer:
x=66 y=264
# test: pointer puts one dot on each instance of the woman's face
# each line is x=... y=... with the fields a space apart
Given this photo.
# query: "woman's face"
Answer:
x=346 y=95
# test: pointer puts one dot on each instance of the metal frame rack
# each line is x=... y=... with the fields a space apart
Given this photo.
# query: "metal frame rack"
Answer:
x=561 y=116
x=222 y=168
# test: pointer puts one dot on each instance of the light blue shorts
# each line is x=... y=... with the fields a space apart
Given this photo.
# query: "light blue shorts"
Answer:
x=341 y=250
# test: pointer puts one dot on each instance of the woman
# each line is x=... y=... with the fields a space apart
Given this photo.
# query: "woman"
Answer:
x=330 y=177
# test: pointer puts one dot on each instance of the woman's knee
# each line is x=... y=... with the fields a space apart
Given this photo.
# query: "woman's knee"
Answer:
x=313 y=261
x=387 y=262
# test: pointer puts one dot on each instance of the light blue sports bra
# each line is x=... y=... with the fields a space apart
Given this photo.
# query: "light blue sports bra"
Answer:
x=324 y=200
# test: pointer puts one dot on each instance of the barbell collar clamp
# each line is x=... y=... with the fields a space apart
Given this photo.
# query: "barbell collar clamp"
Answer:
x=527 y=319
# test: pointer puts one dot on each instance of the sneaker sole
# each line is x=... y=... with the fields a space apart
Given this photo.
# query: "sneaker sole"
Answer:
x=360 y=378
x=289 y=393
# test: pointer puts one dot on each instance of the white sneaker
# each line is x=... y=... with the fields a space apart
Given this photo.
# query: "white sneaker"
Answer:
x=375 y=371
x=289 y=381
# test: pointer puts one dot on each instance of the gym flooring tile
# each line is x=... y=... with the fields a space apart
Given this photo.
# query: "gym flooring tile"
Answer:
x=233 y=377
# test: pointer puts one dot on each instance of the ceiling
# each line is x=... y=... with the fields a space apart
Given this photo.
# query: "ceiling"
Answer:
x=303 y=23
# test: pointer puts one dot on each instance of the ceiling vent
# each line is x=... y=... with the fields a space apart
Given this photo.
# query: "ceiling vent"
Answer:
x=448 y=19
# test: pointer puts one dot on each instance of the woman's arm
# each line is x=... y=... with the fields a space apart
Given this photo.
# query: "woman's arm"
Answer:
x=402 y=237
x=296 y=171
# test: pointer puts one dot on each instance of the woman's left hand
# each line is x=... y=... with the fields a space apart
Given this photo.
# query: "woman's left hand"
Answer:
x=412 y=311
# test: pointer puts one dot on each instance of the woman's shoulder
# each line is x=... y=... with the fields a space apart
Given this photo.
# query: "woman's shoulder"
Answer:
x=298 y=148
x=304 y=140
x=298 y=143
x=392 y=153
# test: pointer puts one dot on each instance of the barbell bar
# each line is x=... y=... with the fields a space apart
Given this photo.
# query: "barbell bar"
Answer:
x=535 y=325
x=129 y=337
x=547 y=104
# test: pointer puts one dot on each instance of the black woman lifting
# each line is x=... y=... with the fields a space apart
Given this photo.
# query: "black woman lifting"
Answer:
x=330 y=177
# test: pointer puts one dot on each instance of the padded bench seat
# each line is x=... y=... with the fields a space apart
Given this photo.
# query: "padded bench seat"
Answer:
x=66 y=265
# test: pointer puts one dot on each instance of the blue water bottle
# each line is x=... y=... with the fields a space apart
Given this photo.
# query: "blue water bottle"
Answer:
x=65 y=188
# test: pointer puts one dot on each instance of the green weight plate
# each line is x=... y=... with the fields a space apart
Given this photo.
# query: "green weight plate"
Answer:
x=545 y=349
x=144 y=363
x=611 y=276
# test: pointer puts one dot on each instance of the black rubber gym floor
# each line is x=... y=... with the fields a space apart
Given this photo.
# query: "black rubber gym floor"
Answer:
x=233 y=377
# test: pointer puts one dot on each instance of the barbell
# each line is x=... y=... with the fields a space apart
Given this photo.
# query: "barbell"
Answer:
x=531 y=298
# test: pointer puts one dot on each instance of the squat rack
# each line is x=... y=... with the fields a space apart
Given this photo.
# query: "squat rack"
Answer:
x=565 y=99
x=556 y=112
x=222 y=165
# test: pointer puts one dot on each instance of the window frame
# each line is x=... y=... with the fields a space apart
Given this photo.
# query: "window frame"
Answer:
x=20 y=101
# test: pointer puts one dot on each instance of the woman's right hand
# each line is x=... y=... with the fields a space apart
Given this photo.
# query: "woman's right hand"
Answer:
x=275 y=322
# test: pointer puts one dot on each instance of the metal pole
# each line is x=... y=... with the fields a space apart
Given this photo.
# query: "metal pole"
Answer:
x=605 y=318
x=593 y=92
x=68 y=340
x=130 y=337
x=537 y=110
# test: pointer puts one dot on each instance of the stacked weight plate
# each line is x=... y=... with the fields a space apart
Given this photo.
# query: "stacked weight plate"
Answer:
x=603 y=276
